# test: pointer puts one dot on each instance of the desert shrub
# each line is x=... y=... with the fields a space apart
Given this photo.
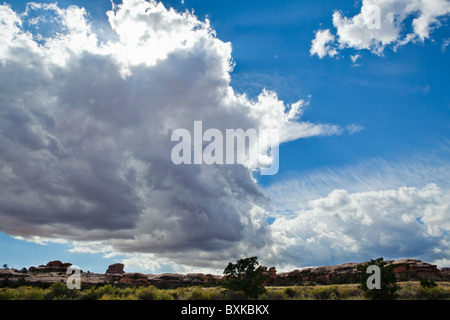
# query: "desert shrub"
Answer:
x=345 y=279
x=200 y=293
x=291 y=292
x=59 y=291
x=323 y=281
x=348 y=292
x=6 y=294
x=216 y=293
x=164 y=295
x=153 y=293
x=430 y=293
x=427 y=283
x=197 y=293
x=118 y=295
x=329 y=292
x=127 y=292
x=235 y=295
x=90 y=294
x=403 y=277
x=325 y=292
x=147 y=293
x=407 y=291
x=97 y=292
x=29 y=293
x=274 y=294
x=179 y=293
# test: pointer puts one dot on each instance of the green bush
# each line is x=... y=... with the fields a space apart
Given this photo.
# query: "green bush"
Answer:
x=347 y=292
x=147 y=293
x=235 y=295
x=323 y=281
x=427 y=283
x=30 y=293
x=197 y=293
x=6 y=294
x=59 y=291
x=275 y=294
x=23 y=293
x=153 y=293
x=345 y=279
x=291 y=293
x=97 y=292
x=325 y=292
x=430 y=293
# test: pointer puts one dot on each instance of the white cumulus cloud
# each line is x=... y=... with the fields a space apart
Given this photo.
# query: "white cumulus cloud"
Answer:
x=381 y=24
x=374 y=209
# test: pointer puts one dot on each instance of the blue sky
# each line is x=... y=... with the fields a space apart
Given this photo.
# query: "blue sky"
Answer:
x=397 y=102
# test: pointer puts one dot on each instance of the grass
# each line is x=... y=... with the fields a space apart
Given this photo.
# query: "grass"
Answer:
x=411 y=290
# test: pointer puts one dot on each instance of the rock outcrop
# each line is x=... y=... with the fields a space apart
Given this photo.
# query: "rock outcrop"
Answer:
x=271 y=274
x=404 y=269
x=410 y=269
x=135 y=279
x=116 y=268
x=176 y=279
x=445 y=273
x=52 y=266
x=315 y=274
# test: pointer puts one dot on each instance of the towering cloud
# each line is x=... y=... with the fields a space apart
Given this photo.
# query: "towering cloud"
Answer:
x=85 y=132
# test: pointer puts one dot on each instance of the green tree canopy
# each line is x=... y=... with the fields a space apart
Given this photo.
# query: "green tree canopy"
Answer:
x=245 y=276
x=389 y=287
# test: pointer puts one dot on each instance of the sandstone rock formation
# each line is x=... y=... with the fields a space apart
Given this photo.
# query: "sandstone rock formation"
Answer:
x=404 y=269
x=271 y=274
x=445 y=273
x=414 y=269
x=116 y=268
x=135 y=279
x=314 y=274
x=52 y=266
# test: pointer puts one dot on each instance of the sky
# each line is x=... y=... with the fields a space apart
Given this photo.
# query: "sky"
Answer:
x=91 y=92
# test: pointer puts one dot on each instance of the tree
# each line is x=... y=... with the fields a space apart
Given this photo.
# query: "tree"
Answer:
x=245 y=276
x=388 y=288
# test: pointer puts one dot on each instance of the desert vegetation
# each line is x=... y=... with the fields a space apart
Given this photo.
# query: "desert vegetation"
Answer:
x=411 y=290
